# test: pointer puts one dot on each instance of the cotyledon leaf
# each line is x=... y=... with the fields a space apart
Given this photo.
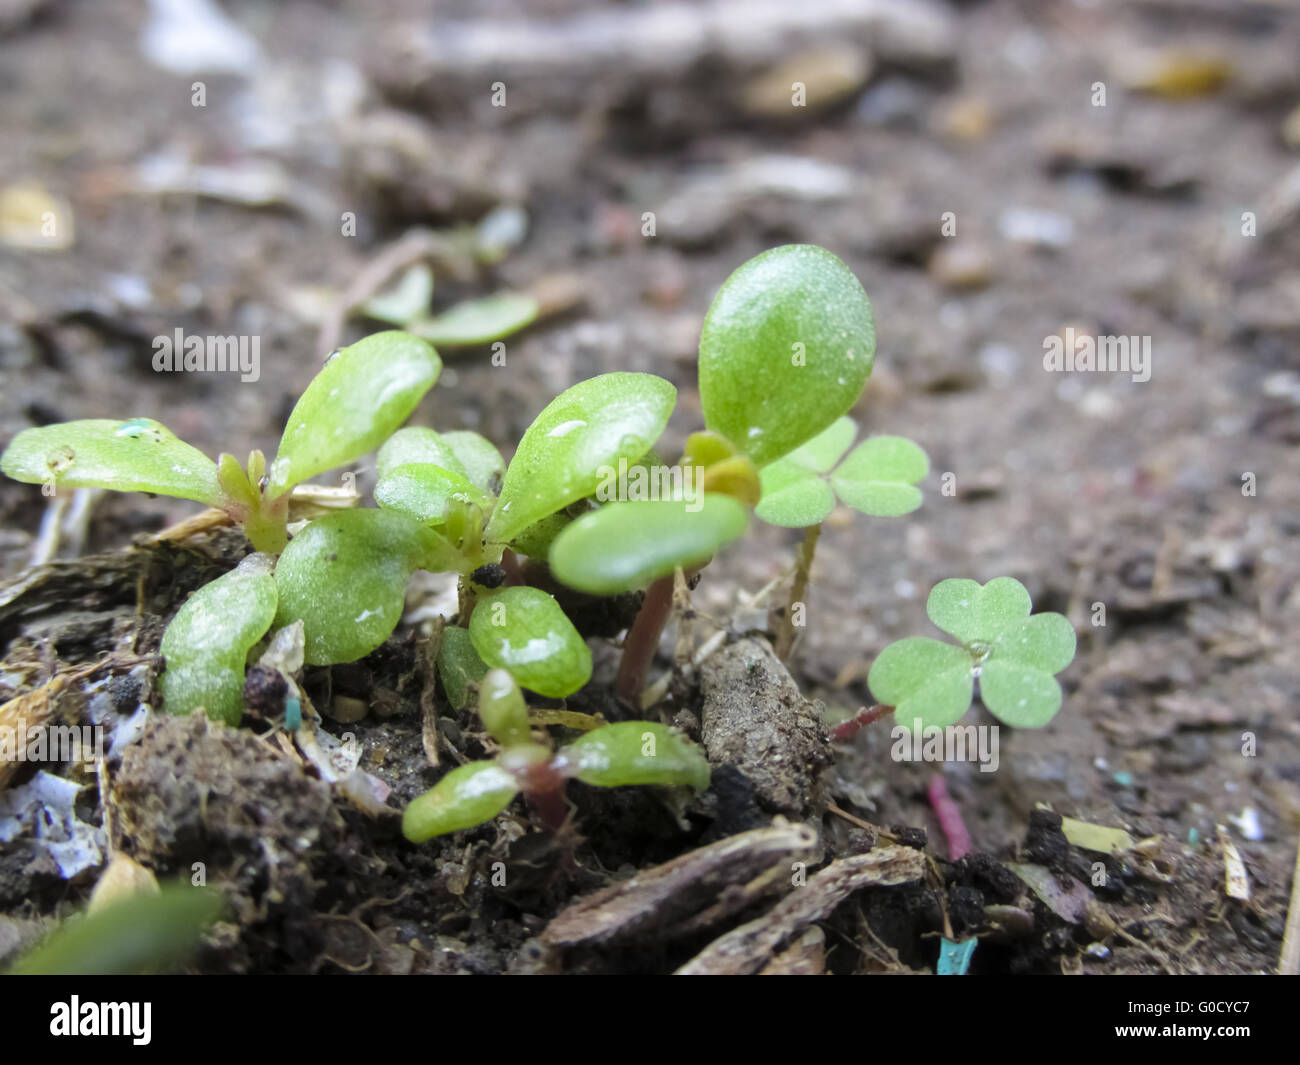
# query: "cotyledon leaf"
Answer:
x=465 y=797
x=479 y=321
x=426 y=493
x=635 y=752
x=623 y=546
x=415 y=443
x=785 y=350
x=574 y=444
x=137 y=455
x=207 y=642
x=344 y=576
x=356 y=401
x=523 y=630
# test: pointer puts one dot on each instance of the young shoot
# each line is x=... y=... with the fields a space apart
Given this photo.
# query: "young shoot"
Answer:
x=1013 y=654
x=354 y=403
x=626 y=753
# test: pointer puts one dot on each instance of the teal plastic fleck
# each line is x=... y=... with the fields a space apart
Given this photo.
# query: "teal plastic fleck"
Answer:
x=292 y=714
x=954 y=958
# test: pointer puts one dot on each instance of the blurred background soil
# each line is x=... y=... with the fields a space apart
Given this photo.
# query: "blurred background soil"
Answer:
x=1171 y=211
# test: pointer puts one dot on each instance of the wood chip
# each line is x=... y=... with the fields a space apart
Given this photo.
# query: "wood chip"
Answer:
x=751 y=946
x=689 y=892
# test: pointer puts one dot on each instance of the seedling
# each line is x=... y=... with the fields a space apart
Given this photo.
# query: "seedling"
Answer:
x=354 y=403
x=405 y=304
x=625 y=753
x=1013 y=654
x=785 y=353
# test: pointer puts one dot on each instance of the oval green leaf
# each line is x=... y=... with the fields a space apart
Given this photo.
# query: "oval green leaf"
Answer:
x=207 y=642
x=479 y=321
x=344 y=576
x=879 y=475
x=574 y=444
x=786 y=349
x=524 y=631
x=405 y=300
x=479 y=458
x=138 y=455
x=459 y=665
x=415 y=443
x=465 y=797
x=502 y=709
x=927 y=682
x=627 y=545
x=635 y=752
x=426 y=493
x=359 y=398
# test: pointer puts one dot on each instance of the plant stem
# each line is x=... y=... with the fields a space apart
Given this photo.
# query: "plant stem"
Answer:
x=803 y=569
x=848 y=729
x=643 y=639
x=950 y=819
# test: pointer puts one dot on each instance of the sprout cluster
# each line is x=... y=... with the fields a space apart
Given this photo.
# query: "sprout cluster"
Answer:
x=785 y=352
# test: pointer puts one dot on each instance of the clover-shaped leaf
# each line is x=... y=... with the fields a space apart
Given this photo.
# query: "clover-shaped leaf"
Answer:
x=969 y=611
x=877 y=478
x=139 y=455
x=361 y=395
x=568 y=450
x=465 y=797
x=344 y=576
x=623 y=546
x=927 y=682
x=635 y=752
x=786 y=348
x=1013 y=653
x=479 y=321
x=207 y=642
x=523 y=630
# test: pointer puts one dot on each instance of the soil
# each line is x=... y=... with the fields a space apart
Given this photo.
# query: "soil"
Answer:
x=1162 y=516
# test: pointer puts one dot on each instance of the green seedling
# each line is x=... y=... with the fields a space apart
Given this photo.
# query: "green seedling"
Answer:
x=1012 y=653
x=140 y=934
x=785 y=352
x=622 y=754
x=466 y=324
x=353 y=405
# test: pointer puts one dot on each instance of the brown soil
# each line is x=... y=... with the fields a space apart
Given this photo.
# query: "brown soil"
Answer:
x=1180 y=710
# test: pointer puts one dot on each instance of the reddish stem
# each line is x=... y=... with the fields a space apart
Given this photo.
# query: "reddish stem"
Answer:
x=846 y=730
x=643 y=639
x=950 y=819
x=543 y=787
